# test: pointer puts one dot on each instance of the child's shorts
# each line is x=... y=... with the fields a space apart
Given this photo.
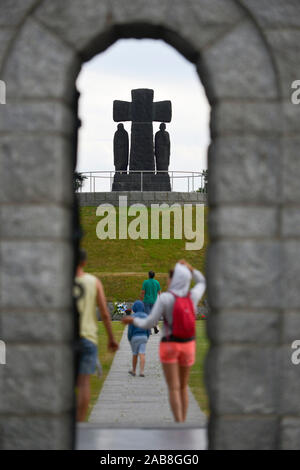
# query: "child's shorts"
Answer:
x=184 y=354
x=138 y=344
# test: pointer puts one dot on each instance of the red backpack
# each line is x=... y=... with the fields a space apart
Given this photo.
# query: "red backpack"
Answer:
x=184 y=326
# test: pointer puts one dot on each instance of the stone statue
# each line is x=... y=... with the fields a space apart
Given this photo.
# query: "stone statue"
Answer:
x=162 y=148
x=121 y=149
x=142 y=111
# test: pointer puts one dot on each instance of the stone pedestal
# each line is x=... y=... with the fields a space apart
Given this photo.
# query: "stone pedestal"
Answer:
x=146 y=182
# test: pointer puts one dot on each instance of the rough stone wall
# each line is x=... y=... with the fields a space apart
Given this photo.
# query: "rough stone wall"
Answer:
x=247 y=55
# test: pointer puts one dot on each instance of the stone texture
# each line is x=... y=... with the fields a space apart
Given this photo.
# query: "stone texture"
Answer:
x=274 y=13
x=43 y=116
x=291 y=170
x=243 y=433
x=35 y=169
x=291 y=275
x=285 y=45
x=27 y=374
x=14 y=11
x=48 y=326
x=290 y=434
x=35 y=274
x=77 y=24
x=244 y=169
x=291 y=117
x=239 y=48
x=291 y=326
x=244 y=274
x=291 y=222
x=6 y=35
x=243 y=381
x=35 y=221
x=289 y=381
x=244 y=327
x=243 y=221
x=52 y=75
x=246 y=118
x=37 y=432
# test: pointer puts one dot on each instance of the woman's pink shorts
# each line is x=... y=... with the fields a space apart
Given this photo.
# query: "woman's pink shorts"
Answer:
x=171 y=352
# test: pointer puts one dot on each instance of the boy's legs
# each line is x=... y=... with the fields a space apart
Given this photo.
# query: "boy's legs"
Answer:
x=142 y=363
x=134 y=362
x=83 y=398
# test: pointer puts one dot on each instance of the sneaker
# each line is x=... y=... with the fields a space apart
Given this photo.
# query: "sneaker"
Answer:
x=132 y=373
x=156 y=330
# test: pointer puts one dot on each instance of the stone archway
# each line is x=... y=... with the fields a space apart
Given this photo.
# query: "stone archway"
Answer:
x=46 y=43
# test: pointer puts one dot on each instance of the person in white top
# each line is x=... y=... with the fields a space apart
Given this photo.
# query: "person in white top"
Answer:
x=177 y=355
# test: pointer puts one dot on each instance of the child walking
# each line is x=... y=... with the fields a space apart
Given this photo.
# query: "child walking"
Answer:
x=138 y=338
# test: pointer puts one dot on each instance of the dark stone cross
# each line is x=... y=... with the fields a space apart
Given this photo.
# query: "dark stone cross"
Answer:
x=142 y=111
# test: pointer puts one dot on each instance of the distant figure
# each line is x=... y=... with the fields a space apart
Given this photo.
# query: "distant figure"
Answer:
x=121 y=149
x=138 y=338
x=162 y=148
x=150 y=290
x=178 y=307
x=92 y=295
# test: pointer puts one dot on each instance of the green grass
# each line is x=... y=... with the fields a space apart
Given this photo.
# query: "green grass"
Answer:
x=106 y=359
x=122 y=265
x=196 y=381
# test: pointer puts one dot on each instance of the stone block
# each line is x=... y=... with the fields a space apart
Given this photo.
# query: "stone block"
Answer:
x=48 y=326
x=288 y=390
x=40 y=65
x=244 y=169
x=37 y=117
x=78 y=24
x=291 y=274
x=291 y=169
x=246 y=118
x=243 y=433
x=239 y=47
x=37 y=432
x=6 y=35
x=244 y=327
x=291 y=221
x=35 y=221
x=36 y=275
x=290 y=433
x=14 y=11
x=243 y=221
x=244 y=274
x=285 y=46
x=243 y=380
x=35 y=169
x=274 y=13
x=290 y=326
x=291 y=117
x=200 y=23
x=37 y=379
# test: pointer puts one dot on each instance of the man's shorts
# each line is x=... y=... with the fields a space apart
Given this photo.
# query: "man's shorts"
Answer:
x=184 y=354
x=88 y=354
x=138 y=344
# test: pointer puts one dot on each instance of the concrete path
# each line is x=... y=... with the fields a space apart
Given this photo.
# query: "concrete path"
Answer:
x=136 y=402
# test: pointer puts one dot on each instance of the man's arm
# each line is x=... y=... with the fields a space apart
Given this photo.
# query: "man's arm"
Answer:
x=105 y=316
x=142 y=295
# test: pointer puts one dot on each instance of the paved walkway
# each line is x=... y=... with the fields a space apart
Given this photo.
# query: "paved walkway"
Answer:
x=136 y=402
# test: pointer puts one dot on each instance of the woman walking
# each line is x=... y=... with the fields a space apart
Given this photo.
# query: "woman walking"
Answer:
x=177 y=306
x=138 y=338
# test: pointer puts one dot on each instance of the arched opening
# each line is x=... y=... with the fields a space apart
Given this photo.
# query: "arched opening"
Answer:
x=122 y=265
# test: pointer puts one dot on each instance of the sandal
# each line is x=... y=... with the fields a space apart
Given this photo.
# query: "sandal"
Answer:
x=132 y=373
x=142 y=375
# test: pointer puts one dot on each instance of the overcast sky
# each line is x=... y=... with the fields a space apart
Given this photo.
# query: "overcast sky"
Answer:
x=130 y=64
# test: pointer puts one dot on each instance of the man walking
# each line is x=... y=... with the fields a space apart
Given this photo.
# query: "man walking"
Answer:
x=92 y=295
x=150 y=290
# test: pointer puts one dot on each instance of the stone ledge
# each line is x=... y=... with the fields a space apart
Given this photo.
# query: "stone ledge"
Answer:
x=147 y=198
